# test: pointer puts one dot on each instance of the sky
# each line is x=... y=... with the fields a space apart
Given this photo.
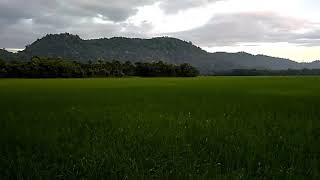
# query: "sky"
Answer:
x=280 y=28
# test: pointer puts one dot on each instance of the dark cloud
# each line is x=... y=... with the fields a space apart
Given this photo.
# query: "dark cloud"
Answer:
x=24 y=21
x=231 y=29
x=114 y=10
x=14 y=36
x=311 y=38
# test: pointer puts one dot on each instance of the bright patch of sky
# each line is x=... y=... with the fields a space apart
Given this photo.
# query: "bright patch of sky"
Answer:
x=198 y=16
x=166 y=23
x=282 y=50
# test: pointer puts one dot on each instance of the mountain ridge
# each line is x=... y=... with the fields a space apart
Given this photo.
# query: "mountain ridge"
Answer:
x=167 y=49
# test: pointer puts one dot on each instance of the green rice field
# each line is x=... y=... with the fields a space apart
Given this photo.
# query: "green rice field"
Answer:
x=160 y=128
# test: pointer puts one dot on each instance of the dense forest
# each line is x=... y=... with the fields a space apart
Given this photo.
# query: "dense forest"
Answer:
x=60 y=68
x=167 y=49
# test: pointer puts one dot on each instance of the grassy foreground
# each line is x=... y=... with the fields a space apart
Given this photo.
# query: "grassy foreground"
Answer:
x=160 y=128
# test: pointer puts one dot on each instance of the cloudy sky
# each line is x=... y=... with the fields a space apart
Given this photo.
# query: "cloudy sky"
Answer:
x=281 y=28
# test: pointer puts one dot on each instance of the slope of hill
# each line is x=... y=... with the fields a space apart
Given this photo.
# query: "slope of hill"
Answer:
x=72 y=47
x=244 y=60
x=5 y=55
x=167 y=49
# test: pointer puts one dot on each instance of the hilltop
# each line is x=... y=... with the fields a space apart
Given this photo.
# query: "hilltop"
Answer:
x=167 y=49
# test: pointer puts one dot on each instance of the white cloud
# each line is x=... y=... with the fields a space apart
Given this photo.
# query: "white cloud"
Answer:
x=165 y=23
x=259 y=27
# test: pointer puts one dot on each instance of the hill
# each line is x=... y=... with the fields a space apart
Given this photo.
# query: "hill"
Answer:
x=6 y=55
x=166 y=49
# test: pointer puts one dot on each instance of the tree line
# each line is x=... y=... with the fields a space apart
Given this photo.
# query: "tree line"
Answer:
x=59 y=68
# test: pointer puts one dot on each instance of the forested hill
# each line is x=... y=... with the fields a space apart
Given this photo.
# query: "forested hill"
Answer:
x=5 y=55
x=170 y=50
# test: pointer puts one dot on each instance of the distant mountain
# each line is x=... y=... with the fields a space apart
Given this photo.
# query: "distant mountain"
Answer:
x=166 y=49
x=5 y=55
x=314 y=64
x=244 y=60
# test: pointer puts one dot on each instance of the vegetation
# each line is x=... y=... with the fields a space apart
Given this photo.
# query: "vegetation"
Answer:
x=166 y=49
x=160 y=128
x=54 y=68
x=256 y=72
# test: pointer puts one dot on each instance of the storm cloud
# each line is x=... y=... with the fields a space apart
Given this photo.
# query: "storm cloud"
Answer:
x=22 y=22
x=262 y=27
